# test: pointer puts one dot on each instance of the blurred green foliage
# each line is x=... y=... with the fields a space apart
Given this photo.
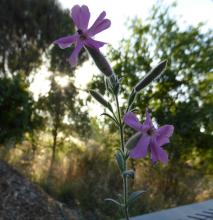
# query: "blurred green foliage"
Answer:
x=28 y=28
x=16 y=107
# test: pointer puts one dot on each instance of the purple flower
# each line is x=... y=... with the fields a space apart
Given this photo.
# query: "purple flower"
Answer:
x=152 y=138
x=83 y=36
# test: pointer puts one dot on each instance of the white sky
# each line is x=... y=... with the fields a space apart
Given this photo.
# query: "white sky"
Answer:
x=192 y=12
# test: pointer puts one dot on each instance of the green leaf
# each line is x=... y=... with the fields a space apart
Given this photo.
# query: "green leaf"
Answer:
x=134 y=196
x=113 y=119
x=114 y=201
x=131 y=143
x=120 y=161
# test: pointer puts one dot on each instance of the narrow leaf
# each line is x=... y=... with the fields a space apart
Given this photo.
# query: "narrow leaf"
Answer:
x=113 y=119
x=113 y=201
x=120 y=161
x=134 y=196
x=131 y=143
x=153 y=74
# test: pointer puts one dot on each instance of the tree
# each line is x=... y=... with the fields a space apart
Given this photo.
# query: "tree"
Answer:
x=16 y=107
x=63 y=113
x=28 y=28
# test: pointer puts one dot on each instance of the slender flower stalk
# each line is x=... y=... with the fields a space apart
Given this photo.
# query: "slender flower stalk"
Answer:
x=125 y=178
x=147 y=136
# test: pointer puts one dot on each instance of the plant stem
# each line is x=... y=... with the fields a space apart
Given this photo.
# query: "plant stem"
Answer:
x=125 y=178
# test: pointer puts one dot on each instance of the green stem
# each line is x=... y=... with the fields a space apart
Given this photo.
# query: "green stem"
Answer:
x=125 y=180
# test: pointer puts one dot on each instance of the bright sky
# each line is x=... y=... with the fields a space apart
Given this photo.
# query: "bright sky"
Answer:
x=192 y=12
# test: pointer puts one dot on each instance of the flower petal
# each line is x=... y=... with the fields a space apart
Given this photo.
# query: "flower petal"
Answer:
x=148 y=122
x=99 y=25
x=162 y=140
x=140 y=150
x=65 y=42
x=80 y=16
x=74 y=56
x=166 y=130
x=162 y=155
x=94 y=43
x=131 y=120
x=163 y=134
x=99 y=19
x=157 y=153
x=153 y=148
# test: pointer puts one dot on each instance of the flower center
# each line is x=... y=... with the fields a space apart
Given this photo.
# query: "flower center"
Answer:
x=151 y=131
x=82 y=35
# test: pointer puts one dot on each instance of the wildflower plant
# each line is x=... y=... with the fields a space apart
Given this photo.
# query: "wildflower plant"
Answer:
x=147 y=137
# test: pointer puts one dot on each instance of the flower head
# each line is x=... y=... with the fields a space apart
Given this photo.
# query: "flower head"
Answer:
x=83 y=35
x=152 y=138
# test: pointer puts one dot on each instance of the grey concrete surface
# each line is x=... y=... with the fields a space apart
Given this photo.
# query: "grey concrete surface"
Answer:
x=197 y=211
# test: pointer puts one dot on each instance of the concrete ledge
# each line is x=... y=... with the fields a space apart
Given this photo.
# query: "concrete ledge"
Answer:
x=197 y=211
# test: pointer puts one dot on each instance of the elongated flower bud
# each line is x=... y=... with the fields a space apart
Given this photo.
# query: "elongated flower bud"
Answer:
x=131 y=143
x=100 y=61
x=153 y=74
x=96 y=95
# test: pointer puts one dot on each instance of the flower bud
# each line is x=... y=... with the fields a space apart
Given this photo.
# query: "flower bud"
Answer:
x=100 y=61
x=113 y=84
x=131 y=143
x=153 y=74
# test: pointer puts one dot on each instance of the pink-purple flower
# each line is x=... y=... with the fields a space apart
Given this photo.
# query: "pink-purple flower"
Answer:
x=152 y=138
x=83 y=35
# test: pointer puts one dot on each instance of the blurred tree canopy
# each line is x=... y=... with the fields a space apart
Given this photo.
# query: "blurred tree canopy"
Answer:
x=63 y=113
x=28 y=28
x=16 y=107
